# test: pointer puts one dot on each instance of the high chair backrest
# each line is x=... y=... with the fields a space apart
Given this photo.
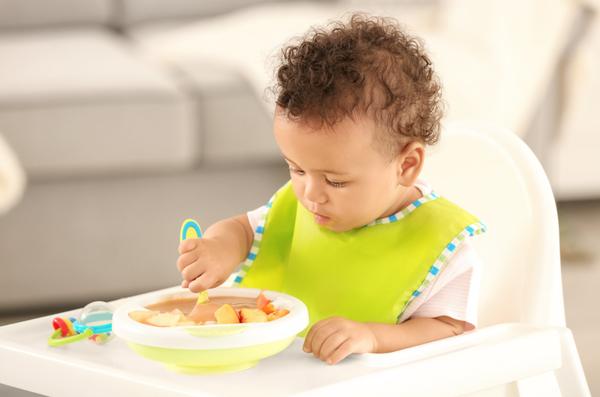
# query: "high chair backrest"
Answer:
x=492 y=174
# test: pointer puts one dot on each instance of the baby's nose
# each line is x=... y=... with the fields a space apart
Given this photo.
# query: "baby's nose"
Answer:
x=315 y=194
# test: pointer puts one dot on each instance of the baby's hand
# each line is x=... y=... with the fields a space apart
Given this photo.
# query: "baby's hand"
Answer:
x=204 y=263
x=334 y=338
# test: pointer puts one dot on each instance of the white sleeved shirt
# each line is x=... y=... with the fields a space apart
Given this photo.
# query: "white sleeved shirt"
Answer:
x=454 y=293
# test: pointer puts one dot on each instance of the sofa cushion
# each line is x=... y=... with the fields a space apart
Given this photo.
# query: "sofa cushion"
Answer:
x=81 y=101
x=84 y=240
x=136 y=11
x=34 y=13
x=236 y=126
x=55 y=66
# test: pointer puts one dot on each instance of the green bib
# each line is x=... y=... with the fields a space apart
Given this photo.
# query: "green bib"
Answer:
x=367 y=274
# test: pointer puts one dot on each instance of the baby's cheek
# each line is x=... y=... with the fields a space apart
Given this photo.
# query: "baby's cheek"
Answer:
x=298 y=187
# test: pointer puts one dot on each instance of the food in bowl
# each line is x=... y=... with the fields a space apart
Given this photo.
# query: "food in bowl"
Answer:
x=211 y=348
x=219 y=310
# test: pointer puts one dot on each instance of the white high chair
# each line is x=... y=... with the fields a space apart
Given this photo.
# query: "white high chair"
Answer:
x=522 y=346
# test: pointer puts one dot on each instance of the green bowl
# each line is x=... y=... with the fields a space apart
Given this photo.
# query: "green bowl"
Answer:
x=215 y=348
x=210 y=362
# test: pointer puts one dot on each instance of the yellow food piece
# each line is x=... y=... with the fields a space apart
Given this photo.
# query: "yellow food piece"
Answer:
x=142 y=315
x=185 y=324
x=165 y=320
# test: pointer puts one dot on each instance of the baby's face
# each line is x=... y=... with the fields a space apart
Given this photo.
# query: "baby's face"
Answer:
x=339 y=175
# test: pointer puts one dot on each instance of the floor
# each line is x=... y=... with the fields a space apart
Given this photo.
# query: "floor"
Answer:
x=580 y=233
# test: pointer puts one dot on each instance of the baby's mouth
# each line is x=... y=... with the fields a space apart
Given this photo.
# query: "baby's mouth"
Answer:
x=322 y=219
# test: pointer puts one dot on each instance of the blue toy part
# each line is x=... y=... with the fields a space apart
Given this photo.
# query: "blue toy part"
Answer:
x=105 y=317
x=94 y=324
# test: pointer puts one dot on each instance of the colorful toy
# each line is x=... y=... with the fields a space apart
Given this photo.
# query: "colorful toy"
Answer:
x=94 y=324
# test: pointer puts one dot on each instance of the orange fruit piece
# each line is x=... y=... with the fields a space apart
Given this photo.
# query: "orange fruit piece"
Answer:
x=253 y=316
x=227 y=315
x=277 y=314
x=268 y=308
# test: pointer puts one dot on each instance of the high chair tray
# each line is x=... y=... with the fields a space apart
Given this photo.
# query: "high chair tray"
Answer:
x=112 y=369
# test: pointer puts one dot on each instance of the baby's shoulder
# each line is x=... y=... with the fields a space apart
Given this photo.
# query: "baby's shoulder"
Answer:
x=463 y=258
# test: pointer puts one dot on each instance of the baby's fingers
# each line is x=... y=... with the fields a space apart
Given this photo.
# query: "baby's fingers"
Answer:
x=187 y=245
x=319 y=338
x=202 y=283
x=187 y=259
x=343 y=351
x=308 y=341
x=331 y=344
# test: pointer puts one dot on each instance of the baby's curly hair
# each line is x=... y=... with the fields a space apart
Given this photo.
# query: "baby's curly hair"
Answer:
x=364 y=66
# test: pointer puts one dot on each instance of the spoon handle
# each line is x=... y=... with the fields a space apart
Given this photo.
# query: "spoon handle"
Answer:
x=191 y=229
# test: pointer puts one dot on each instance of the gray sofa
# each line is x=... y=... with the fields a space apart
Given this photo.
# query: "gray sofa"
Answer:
x=130 y=116
x=79 y=99
x=118 y=150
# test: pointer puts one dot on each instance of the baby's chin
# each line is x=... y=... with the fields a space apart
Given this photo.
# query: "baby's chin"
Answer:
x=340 y=227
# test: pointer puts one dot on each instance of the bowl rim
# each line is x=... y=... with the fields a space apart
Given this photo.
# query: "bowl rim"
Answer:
x=178 y=338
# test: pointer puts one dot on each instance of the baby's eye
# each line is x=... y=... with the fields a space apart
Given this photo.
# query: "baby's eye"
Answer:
x=296 y=171
x=336 y=184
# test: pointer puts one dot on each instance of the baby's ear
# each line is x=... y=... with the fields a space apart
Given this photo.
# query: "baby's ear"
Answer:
x=410 y=163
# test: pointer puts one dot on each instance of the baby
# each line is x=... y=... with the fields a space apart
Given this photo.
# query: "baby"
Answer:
x=381 y=261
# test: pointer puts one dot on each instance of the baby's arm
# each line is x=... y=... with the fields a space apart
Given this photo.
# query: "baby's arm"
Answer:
x=454 y=295
x=334 y=338
x=207 y=262
x=413 y=332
